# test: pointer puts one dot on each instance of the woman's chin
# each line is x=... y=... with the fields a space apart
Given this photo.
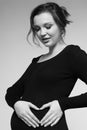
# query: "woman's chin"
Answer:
x=47 y=44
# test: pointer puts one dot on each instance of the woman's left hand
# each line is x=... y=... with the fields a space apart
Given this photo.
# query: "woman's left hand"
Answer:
x=53 y=115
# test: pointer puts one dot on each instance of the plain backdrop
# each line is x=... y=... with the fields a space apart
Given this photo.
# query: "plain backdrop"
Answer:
x=16 y=53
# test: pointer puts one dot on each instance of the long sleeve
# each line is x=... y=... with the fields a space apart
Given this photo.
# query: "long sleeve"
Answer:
x=15 y=92
x=78 y=64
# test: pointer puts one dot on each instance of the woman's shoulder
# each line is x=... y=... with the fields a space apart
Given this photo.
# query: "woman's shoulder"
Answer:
x=76 y=51
x=73 y=48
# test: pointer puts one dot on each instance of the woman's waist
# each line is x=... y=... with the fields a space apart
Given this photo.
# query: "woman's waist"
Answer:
x=39 y=100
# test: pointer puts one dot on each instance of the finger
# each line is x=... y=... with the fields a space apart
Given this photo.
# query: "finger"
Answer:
x=51 y=121
x=33 y=106
x=31 y=121
x=45 y=106
x=46 y=117
x=33 y=117
x=55 y=122
x=32 y=124
x=26 y=122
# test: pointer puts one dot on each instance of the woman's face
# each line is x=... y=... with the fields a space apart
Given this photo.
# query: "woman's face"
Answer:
x=46 y=29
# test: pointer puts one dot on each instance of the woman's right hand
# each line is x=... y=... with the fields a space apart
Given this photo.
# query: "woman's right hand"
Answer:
x=23 y=111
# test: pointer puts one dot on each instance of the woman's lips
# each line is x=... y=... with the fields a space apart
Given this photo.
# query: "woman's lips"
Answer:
x=45 y=40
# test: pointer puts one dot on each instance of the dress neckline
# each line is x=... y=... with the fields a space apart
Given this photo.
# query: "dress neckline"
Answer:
x=52 y=57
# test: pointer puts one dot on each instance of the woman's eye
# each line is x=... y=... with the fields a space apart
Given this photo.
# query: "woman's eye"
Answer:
x=36 y=29
x=48 y=26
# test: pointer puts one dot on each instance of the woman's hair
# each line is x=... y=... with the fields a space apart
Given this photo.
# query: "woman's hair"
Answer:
x=59 y=13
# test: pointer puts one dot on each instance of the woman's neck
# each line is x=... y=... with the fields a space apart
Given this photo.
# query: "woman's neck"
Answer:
x=53 y=51
x=57 y=48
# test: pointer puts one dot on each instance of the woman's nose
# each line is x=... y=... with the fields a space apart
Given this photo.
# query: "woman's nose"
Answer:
x=42 y=32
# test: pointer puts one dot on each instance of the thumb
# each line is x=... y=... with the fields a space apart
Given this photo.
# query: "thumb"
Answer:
x=45 y=106
x=33 y=106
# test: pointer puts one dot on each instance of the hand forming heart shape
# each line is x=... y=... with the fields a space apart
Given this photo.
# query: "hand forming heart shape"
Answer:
x=49 y=114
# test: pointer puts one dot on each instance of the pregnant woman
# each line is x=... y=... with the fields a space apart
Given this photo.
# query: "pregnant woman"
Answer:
x=41 y=95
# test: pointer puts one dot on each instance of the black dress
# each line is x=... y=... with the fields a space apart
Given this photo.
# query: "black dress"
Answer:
x=50 y=80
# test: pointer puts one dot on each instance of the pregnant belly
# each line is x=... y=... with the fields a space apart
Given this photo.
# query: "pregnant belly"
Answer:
x=18 y=124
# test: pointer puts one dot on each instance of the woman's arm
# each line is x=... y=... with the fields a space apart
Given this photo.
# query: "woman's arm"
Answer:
x=15 y=92
x=78 y=63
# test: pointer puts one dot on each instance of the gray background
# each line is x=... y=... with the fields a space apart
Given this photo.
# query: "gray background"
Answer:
x=16 y=54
